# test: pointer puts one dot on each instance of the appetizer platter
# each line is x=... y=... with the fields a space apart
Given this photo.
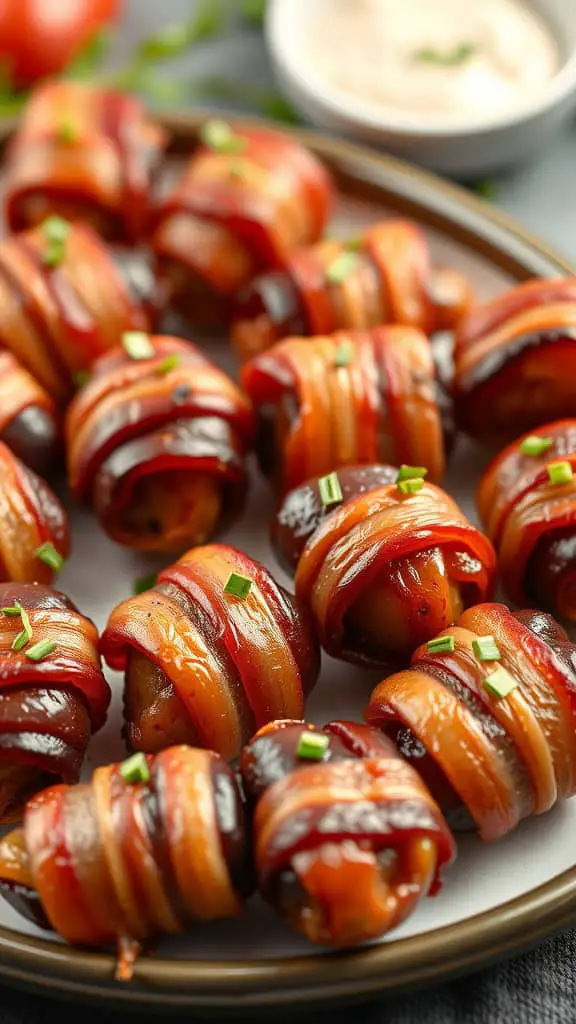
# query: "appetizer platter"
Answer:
x=287 y=566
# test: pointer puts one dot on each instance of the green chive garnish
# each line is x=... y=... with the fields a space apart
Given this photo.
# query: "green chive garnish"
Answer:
x=486 y=649
x=500 y=683
x=144 y=583
x=355 y=244
x=312 y=746
x=219 y=136
x=20 y=641
x=238 y=585
x=411 y=486
x=411 y=473
x=40 y=650
x=67 y=132
x=560 y=472
x=536 y=445
x=25 y=636
x=55 y=229
x=447 y=58
x=344 y=354
x=341 y=268
x=329 y=489
x=237 y=170
x=135 y=769
x=11 y=610
x=81 y=378
x=170 y=363
x=442 y=645
x=47 y=553
x=137 y=345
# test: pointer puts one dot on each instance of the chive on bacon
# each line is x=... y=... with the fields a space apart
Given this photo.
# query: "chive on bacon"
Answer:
x=55 y=231
x=486 y=649
x=536 y=445
x=237 y=585
x=312 y=746
x=47 y=553
x=137 y=345
x=341 y=268
x=81 y=378
x=560 y=472
x=135 y=769
x=442 y=645
x=25 y=635
x=170 y=363
x=40 y=650
x=67 y=132
x=344 y=355
x=219 y=136
x=410 y=479
x=500 y=683
x=330 y=490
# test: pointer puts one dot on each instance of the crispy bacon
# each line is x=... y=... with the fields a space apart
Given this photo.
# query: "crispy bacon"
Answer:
x=205 y=666
x=382 y=571
x=489 y=760
x=111 y=861
x=515 y=361
x=158 y=446
x=532 y=521
x=30 y=516
x=346 y=846
x=233 y=214
x=49 y=707
x=382 y=277
x=356 y=397
x=85 y=153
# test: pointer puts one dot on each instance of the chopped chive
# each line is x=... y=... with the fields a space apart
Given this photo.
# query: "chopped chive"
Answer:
x=341 y=268
x=67 y=132
x=144 y=583
x=447 y=58
x=486 y=649
x=237 y=170
x=12 y=610
x=238 y=585
x=81 y=377
x=170 y=363
x=135 y=769
x=312 y=746
x=47 y=553
x=219 y=136
x=500 y=683
x=330 y=490
x=137 y=345
x=486 y=188
x=344 y=355
x=536 y=445
x=25 y=636
x=560 y=472
x=442 y=645
x=55 y=229
x=40 y=650
x=54 y=254
x=411 y=473
x=410 y=486
x=355 y=244
x=20 y=641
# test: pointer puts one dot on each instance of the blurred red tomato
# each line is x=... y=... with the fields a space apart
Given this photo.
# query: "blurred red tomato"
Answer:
x=40 y=37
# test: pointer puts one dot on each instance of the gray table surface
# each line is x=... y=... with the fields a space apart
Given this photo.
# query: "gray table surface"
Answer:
x=538 y=987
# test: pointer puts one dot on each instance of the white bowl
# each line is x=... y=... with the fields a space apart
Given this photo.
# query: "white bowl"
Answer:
x=459 y=150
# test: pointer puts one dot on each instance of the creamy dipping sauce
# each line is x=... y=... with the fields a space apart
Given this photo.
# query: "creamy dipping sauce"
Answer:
x=443 y=61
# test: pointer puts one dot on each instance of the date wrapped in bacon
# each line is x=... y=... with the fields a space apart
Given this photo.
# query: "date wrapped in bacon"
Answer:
x=515 y=361
x=29 y=422
x=65 y=298
x=86 y=153
x=382 y=277
x=384 y=563
x=247 y=196
x=53 y=694
x=216 y=649
x=487 y=715
x=527 y=501
x=347 y=839
x=156 y=441
x=356 y=397
x=144 y=849
x=34 y=539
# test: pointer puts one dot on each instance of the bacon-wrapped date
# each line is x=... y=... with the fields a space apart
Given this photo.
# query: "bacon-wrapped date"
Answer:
x=29 y=422
x=141 y=850
x=86 y=153
x=65 y=298
x=356 y=397
x=487 y=715
x=382 y=570
x=214 y=650
x=347 y=839
x=158 y=445
x=382 y=277
x=527 y=501
x=515 y=361
x=53 y=694
x=31 y=519
x=246 y=197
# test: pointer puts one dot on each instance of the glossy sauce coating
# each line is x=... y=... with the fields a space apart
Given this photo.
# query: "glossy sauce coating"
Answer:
x=30 y=516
